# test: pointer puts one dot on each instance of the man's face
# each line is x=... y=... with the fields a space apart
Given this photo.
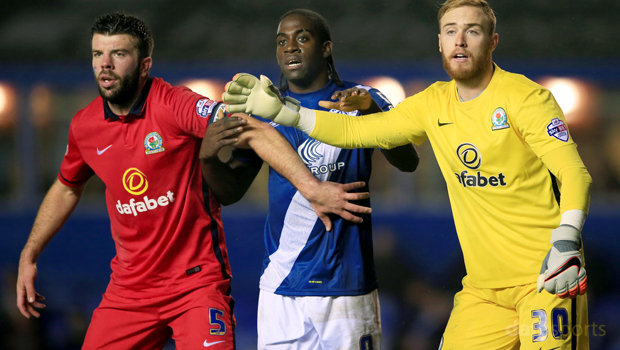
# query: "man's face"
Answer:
x=465 y=43
x=116 y=65
x=300 y=56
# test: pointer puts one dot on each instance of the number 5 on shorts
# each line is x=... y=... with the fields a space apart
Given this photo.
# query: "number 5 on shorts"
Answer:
x=215 y=319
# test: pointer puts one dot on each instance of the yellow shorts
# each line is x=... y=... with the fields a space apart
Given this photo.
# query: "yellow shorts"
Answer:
x=516 y=318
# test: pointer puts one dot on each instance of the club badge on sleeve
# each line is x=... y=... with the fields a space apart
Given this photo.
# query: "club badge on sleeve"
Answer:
x=558 y=129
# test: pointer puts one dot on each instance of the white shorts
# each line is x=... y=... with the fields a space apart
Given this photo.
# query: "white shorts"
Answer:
x=309 y=323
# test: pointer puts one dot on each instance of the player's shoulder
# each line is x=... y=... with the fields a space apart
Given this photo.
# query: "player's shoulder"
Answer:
x=163 y=93
x=91 y=111
x=517 y=83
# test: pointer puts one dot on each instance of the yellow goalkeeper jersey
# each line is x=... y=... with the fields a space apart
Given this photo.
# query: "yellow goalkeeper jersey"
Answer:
x=488 y=149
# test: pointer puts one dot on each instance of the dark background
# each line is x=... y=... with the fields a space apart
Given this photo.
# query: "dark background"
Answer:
x=44 y=62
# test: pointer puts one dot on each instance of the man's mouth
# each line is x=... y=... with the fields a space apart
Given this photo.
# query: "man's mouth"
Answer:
x=106 y=81
x=293 y=63
x=460 y=57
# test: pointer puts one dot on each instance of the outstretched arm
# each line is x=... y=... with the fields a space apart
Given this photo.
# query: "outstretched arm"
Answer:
x=53 y=213
x=248 y=94
x=404 y=158
x=325 y=197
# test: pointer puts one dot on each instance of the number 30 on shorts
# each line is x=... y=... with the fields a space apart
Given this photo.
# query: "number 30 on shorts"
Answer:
x=559 y=323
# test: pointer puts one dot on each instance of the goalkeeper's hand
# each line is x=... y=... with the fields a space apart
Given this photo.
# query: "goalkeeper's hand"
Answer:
x=562 y=272
x=247 y=94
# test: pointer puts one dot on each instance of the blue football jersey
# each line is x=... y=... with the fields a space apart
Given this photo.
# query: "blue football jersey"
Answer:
x=301 y=257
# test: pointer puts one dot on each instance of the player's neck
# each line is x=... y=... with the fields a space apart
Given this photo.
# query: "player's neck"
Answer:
x=471 y=88
x=125 y=108
x=316 y=84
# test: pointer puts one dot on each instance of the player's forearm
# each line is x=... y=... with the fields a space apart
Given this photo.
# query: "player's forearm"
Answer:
x=566 y=165
x=228 y=182
x=404 y=158
x=368 y=131
x=53 y=213
x=276 y=151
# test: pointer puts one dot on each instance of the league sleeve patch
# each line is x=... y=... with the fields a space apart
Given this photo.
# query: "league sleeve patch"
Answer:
x=204 y=107
x=558 y=129
x=352 y=113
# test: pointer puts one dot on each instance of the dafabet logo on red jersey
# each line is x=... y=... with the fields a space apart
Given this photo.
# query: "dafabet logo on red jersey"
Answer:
x=136 y=183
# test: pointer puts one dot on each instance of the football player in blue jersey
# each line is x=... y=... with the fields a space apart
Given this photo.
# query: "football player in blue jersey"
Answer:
x=318 y=289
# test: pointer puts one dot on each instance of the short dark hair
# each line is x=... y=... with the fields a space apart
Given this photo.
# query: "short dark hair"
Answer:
x=122 y=23
x=321 y=30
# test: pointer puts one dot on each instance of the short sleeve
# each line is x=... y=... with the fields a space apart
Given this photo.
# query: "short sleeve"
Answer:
x=194 y=112
x=381 y=99
x=74 y=171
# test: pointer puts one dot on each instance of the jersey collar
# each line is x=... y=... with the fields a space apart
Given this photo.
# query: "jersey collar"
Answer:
x=137 y=107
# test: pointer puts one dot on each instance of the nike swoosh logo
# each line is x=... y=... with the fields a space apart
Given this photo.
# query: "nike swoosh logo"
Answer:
x=103 y=150
x=574 y=261
x=207 y=344
x=442 y=124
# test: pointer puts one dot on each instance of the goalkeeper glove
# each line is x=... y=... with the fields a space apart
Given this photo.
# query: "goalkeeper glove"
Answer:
x=247 y=94
x=562 y=272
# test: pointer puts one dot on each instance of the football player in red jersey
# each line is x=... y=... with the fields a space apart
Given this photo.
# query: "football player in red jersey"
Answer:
x=171 y=275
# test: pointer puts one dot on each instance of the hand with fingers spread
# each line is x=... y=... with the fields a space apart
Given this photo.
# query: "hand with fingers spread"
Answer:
x=335 y=198
x=352 y=99
x=223 y=132
x=28 y=300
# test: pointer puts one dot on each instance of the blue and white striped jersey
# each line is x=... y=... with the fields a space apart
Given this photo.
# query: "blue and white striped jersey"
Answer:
x=301 y=257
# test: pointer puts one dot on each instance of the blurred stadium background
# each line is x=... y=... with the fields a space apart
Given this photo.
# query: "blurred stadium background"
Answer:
x=569 y=46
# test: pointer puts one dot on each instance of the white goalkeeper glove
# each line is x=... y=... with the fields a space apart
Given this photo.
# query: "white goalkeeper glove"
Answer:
x=247 y=94
x=562 y=272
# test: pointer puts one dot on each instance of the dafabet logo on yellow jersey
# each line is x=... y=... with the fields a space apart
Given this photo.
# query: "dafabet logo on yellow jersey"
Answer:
x=136 y=183
x=471 y=158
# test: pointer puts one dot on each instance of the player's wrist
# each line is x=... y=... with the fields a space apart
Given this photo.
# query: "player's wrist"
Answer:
x=566 y=233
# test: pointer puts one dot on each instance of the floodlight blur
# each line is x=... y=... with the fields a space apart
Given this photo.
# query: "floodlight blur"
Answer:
x=566 y=93
x=41 y=105
x=7 y=105
x=210 y=88
x=389 y=86
x=578 y=99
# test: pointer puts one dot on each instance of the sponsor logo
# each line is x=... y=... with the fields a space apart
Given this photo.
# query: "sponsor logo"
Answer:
x=309 y=153
x=206 y=344
x=471 y=157
x=499 y=119
x=558 y=129
x=153 y=143
x=204 y=107
x=135 y=183
x=442 y=124
x=103 y=150
x=134 y=207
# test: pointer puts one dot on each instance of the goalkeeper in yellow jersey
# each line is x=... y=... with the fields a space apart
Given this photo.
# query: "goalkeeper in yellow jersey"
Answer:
x=506 y=154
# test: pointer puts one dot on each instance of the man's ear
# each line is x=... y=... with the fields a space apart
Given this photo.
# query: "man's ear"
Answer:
x=145 y=66
x=327 y=49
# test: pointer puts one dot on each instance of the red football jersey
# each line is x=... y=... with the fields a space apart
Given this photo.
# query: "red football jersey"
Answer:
x=165 y=223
